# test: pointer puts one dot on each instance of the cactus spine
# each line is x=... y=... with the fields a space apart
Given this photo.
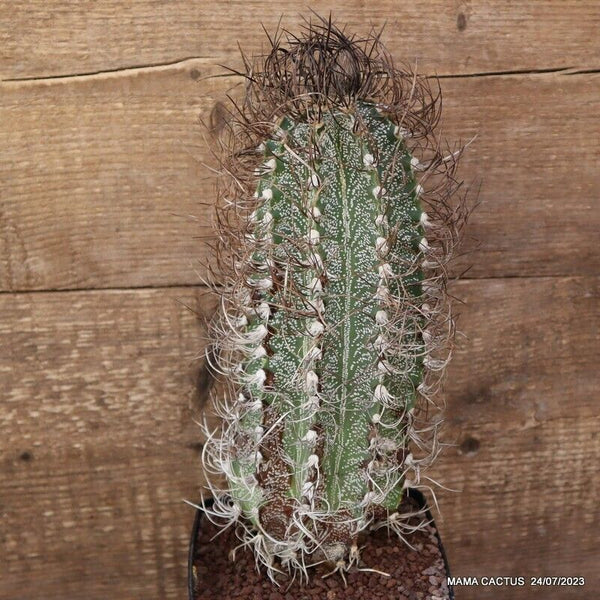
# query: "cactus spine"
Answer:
x=330 y=324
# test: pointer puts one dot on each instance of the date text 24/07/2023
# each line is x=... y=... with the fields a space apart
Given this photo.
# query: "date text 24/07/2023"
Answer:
x=519 y=581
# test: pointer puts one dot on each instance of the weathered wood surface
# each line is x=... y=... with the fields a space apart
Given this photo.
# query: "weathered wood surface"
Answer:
x=98 y=445
x=60 y=38
x=103 y=180
x=99 y=449
x=102 y=185
x=523 y=412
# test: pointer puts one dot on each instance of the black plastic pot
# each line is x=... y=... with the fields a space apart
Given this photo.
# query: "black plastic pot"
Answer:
x=415 y=494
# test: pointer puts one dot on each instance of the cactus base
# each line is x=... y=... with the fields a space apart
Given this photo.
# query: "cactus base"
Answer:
x=212 y=575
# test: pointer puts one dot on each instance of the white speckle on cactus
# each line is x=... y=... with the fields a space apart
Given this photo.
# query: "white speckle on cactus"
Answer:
x=384 y=366
x=315 y=353
x=387 y=445
x=382 y=293
x=240 y=322
x=381 y=246
x=313 y=460
x=312 y=381
x=261 y=284
x=310 y=436
x=313 y=181
x=263 y=310
x=315 y=328
x=313 y=237
x=381 y=317
x=316 y=261
x=381 y=220
x=381 y=393
x=267 y=194
x=258 y=378
x=380 y=343
x=385 y=270
x=368 y=160
x=313 y=402
x=368 y=498
x=318 y=305
x=378 y=191
x=315 y=286
x=308 y=489
x=256 y=335
x=259 y=352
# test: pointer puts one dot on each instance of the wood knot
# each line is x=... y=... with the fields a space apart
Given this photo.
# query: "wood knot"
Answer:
x=469 y=446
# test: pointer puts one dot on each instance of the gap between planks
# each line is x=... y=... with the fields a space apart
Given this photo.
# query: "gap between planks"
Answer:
x=128 y=70
x=200 y=286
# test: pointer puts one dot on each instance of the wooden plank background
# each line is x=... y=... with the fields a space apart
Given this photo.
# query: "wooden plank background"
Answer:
x=103 y=245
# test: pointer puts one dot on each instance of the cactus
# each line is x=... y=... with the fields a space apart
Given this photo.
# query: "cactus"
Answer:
x=334 y=321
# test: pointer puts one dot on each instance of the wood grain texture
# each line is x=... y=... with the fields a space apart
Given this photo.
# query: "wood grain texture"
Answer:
x=522 y=411
x=98 y=445
x=102 y=189
x=105 y=184
x=41 y=39
x=100 y=179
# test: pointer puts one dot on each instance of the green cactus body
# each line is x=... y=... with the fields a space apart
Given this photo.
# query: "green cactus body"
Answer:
x=330 y=334
x=334 y=319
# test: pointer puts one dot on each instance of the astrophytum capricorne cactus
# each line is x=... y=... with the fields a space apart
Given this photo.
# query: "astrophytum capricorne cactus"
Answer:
x=334 y=232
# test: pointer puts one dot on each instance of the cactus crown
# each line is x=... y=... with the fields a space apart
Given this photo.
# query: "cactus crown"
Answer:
x=334 y=232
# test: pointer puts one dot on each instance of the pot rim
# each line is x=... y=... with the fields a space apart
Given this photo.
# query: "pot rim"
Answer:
x=411 y=493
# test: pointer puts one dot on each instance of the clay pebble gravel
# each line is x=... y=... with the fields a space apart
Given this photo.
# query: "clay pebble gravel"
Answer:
x=417 y=574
